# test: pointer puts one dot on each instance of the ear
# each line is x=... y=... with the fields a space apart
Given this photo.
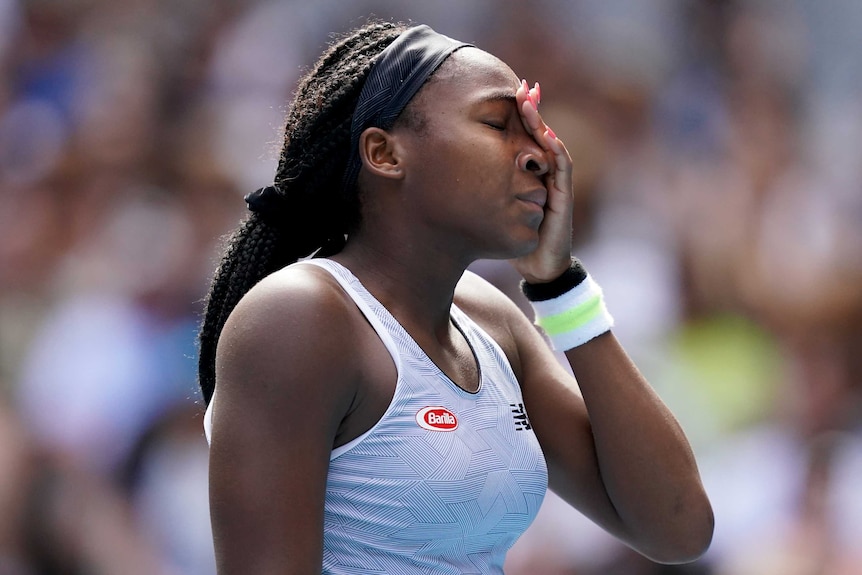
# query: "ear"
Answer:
x=381 y=153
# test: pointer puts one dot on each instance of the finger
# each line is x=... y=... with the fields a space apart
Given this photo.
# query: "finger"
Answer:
x=532 y=119
x=559 y=174
x=530 y=116
x=562 y=163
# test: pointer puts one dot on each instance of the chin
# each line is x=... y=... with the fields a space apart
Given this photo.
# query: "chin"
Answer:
x=529 y=244
x=516 y=249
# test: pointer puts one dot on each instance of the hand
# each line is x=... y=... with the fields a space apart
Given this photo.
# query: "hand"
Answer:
x=553 y=254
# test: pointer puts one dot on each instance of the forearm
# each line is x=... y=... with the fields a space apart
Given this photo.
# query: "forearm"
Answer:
x=627 y=452
x=645 y=461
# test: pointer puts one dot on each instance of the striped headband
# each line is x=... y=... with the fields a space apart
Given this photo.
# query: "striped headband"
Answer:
x=398 y=73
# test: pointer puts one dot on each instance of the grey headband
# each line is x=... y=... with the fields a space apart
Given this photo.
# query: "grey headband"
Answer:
x=400 y=70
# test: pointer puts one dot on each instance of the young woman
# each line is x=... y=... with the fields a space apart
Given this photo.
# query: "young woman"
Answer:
x=377 y=409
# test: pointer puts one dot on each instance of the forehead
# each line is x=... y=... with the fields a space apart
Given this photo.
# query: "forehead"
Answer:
x=469 y=61
x=467 y=75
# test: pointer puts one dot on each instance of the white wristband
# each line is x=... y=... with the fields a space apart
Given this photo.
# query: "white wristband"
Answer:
x=575 y=317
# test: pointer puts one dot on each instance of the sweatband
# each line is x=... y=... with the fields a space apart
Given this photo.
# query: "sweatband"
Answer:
x=399 y=71
x=570 y=317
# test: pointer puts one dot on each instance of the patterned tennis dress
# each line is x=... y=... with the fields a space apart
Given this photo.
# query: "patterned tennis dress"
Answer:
x=447 y=480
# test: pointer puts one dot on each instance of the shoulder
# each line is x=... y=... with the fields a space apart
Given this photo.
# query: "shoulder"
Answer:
x=290 y=336
x=297 y=303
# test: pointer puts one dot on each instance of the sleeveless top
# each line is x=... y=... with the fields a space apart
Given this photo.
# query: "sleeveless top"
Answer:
x=447 y=480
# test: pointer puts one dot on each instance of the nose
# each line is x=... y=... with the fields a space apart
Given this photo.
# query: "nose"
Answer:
x=532 y=159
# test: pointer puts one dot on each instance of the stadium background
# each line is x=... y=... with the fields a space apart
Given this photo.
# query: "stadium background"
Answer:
x=718 y=158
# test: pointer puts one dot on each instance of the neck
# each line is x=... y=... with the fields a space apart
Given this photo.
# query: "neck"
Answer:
x=416 y=283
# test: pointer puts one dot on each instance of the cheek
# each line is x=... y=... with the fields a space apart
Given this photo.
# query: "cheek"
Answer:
x=465 y=161
x=479 y=166
x=443 y=166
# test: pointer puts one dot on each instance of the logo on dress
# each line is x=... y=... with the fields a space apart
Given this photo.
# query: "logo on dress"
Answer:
x=436 y=419
x=522 y=423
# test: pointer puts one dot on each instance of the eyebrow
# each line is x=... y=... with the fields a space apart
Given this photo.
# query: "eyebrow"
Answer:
x=500 y=96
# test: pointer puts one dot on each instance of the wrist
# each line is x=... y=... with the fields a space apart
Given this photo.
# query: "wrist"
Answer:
x=570 y=277
x=570 y=309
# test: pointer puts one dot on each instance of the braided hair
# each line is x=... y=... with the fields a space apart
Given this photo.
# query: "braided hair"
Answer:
x=309 y=176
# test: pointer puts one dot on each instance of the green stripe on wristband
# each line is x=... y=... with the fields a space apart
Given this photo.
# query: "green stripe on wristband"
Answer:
x=573 y=318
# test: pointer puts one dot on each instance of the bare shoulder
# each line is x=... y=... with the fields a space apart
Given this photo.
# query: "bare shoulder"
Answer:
x=289 y=338
x=294 y=308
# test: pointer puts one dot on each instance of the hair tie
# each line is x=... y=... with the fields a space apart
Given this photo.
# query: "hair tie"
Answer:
x=266 y=201
x=397 y=74
x=274 y=208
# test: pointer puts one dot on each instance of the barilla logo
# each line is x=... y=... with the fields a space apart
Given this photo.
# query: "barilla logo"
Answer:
x=436 y=419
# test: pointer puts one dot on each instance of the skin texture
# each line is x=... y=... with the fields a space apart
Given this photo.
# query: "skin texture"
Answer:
x=481 y=178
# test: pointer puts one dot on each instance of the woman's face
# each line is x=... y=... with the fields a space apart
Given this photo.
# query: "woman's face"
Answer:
x=473 y=171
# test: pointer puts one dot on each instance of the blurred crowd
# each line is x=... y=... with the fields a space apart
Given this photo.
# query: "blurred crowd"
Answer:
x=718 y=175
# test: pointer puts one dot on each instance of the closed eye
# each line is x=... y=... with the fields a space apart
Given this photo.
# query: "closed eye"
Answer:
x=496 y=125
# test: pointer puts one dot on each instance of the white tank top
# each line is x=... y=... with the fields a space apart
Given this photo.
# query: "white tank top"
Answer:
x=447 y=480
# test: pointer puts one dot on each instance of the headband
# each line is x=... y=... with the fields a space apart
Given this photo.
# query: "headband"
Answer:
x=397 y=74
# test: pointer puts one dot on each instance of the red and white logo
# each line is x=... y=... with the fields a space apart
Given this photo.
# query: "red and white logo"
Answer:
x=436 y=419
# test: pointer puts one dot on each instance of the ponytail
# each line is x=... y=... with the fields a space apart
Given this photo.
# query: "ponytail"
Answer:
x=309 y=209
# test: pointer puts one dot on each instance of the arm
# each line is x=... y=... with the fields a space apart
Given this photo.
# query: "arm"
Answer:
x=284 y=386
x=614 y=450
x=643 y=456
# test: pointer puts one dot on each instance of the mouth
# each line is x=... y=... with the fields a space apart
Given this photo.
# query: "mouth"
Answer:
x=537 y=198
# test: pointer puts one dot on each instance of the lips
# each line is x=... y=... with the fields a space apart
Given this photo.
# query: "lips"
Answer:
x=539 y=197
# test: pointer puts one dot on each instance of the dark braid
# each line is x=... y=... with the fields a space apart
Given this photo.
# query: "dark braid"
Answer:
x=310 y=169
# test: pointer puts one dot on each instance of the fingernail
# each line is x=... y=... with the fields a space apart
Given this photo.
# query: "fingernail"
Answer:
x=538 y=93
x=552 y=134
x=527 y=92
